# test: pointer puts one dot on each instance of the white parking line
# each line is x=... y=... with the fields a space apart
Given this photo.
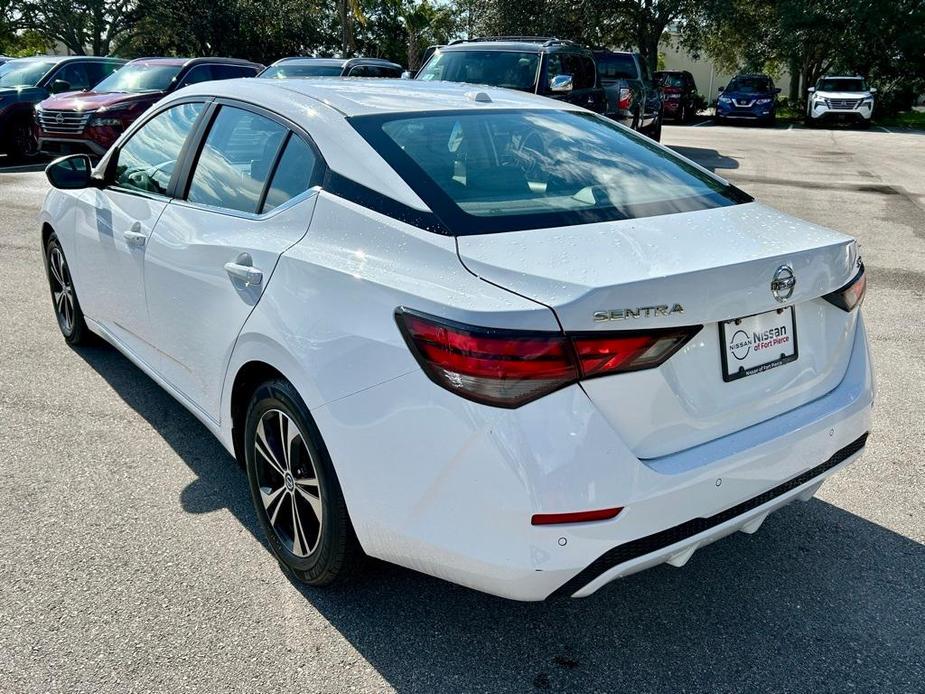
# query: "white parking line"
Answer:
x=886 y=130
x=705 y=122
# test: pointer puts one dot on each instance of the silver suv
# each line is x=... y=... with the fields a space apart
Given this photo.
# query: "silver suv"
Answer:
x=840 y=99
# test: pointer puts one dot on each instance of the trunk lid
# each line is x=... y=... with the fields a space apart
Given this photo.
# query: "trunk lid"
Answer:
x=717 y=265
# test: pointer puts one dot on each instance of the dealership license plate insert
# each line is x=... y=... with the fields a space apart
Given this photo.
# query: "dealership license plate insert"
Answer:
x=755 y=344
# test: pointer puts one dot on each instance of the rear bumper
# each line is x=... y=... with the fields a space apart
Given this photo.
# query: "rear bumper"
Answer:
x=463 y=480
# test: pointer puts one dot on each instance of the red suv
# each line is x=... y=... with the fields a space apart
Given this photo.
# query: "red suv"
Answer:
x=90 y=121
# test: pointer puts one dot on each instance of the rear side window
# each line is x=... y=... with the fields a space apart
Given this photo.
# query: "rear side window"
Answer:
x=147 y=161
x=373 y=71
x=615 y=66
x=200 y=73
x=509 y=170
x=295 y=173
x=235 y=161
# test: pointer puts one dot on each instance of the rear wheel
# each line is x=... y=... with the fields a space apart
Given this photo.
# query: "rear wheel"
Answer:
x=63 y=295
x=295 y=490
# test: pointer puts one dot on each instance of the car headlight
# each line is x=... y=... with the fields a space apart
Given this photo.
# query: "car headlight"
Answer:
x=724 y=100
x=761 y=102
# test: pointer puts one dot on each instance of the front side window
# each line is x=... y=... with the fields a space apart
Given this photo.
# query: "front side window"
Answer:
x=200 y=73
x=147 y=161
x=236 y=160
x=373 y=71
x=23 y=73
x=137 y=78
x=98 y=71
x=509 y=69
x=507 y=170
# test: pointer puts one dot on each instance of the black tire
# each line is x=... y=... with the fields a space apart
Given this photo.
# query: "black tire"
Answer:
x=864 y=124
x=20 y=143
x=322 y=549
x=657 y=129
x=64 y=295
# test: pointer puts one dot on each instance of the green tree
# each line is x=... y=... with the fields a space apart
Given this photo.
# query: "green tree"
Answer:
x=84 y=26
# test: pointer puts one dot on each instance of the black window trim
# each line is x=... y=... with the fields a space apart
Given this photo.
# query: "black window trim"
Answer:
x=193 y=148
x=447 y=217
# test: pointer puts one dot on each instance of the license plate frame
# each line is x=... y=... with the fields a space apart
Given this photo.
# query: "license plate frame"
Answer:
x=738 y=359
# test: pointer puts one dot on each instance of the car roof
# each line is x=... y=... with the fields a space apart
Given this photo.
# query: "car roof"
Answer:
x=180 y=61
x=65 y=58
x=309 y=60
x=538 y=44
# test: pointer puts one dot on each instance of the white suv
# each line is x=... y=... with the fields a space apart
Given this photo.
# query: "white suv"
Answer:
x=840 y=99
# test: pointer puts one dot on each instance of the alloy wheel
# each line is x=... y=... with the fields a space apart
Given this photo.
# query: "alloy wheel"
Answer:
x=288 y=483
x=62 y=289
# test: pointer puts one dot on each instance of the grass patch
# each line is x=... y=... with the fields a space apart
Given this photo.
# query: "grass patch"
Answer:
x=906 y=119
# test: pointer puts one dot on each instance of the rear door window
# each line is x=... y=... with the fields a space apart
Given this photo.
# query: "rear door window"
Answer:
x=197 y=74
x=296 y=172
x=236 y=160
x=227 y=72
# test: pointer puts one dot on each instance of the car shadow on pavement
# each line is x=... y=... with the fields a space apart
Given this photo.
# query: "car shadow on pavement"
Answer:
x=708 y=158
x=818 y=600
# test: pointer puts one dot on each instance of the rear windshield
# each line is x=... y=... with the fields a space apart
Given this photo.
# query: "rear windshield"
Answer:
x=616 y=66
x=510 y=69
x=750 y=85
x=23 y=73
x=282 y=72
x=669 y=79
x=136 y=78
x=841 y=84
x=504 y=170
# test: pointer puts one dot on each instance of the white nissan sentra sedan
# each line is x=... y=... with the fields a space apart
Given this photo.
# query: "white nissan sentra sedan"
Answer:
x=477 y=333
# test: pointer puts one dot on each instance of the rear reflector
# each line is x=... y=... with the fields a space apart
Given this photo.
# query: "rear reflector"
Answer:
x=852 y=294
x=508 y=368
x=577 y=517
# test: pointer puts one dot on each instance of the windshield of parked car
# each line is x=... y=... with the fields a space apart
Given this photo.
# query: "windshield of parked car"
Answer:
x=841 y=84
x=750 y=85
x=282 y=72
x=505 y=170
x=138 y=78
x=616 y=66
x=670 y=80
x=510 y=69
x=23 y=73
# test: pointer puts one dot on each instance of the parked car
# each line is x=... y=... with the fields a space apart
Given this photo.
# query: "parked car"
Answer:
x=332 y=67
x=24 y=82
x=91 y=120
x=551 y=67
x=679 y=94
x=633 y=97
x=748 y=98
x=840 y=99
x=481 y=334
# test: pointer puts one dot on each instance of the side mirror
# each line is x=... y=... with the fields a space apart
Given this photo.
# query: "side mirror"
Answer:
x=406 y=75
x=872 y=90
x=70 y=173
x=721 y=89
x=811 y=90
x=561 y=83
x=59 y=86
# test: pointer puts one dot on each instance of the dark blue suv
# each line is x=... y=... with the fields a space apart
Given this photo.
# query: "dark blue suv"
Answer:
x=748 y=97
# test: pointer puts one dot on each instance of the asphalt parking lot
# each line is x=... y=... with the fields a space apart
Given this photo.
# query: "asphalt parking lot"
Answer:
x=130 y=558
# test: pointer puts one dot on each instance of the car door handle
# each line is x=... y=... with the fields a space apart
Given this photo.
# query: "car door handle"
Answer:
x=243 y=269
x=135 y=239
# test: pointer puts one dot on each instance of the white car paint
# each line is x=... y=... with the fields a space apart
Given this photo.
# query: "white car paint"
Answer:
x=826 y=103
x=439 y=483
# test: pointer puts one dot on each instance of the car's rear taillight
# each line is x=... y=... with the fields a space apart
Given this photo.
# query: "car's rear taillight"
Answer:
x=626 y=98
x=508 y=368
x=852 y=294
